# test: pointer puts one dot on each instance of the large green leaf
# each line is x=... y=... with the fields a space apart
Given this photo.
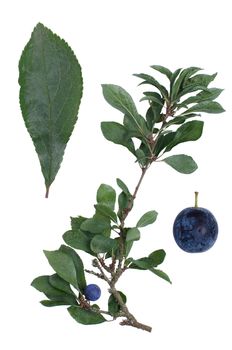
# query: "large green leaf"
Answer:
x=190 y=131
x=79 y=240
x=179 y=82
x=113 y=305
x=84 y=316
x=106 y=195
x=182 y=163
x=133 y=234
x=148 y=79
x=147 y=219
x=157 y=257
x=106 y=211
x=118 y=134
x=76 y=222
x=102 y=244
x=50 y=92
x=97 y=224
x=57 y=282
x=79 y=267
x=63 y=265
x=163 y=141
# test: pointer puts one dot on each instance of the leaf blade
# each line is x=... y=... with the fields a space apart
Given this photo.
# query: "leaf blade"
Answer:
x=182 y=163
x=50 y=96
x=147 y=219
x=86 y=317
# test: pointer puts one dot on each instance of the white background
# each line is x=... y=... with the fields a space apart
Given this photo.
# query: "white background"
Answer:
x=113 y=40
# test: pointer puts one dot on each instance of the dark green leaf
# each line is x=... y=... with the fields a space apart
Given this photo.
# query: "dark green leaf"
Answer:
x=63 y=265
x=113 y=306
x=163 y=70
x=147 y=219
x=180 y=119
x=142 y=264
x=148 y=79
x=164 y=141
x=182 y=163
x=84 y=316
x=79 y=240
x=177 y=86
x=76 y=222
x=133 y=234
x=97 y=224
x=200 y=79
x=132 y=126
x=154 y=115
x=79 y=267
x=123 y=187
x=120 y=99
x=174 y=76
x=118 y=134
x=102 y=244
x=209 y=94
x=154 y=97
x=161 y=274
x=106 y=211
x=123 y=202
x=51 y=303
x=191 y=88
x=106 y=195
x=189 y=131
x=43 y=285
x=206 y=106
x=57 y=282
x=157 y=257
x=50 y=93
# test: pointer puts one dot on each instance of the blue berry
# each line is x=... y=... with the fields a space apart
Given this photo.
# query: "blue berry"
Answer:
x=92 y=292
x=195 y=229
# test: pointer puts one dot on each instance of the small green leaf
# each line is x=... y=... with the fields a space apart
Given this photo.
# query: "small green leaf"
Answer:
x=133 y=234
x=209 y=94
x=142 y=264
x=79 y=240
x=113 y=306
x=184 y=74
x=50 y=93
x=163 y=70
x=57 y=282
x=157 y=257
x=106 y=195
x=147 y=219
x=97 y=224
x=79 y=267
x=206 y=106
x=174 y=76
x=154 y=97
x=161 y=274
x=63 y=265
x=182 y=163
x=118 y=134
x=123 y=187
x=84 y=316
x=189 y=131
x=102 y=244
x=106 y=211
x=164 y=141
x=132 y=126
x=51 y=303
x=200 y=79
x=148 y=79
x=123 y=202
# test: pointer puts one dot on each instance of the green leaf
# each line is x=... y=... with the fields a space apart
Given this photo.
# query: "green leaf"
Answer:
x=206 y=106
x=51 y=303
x=182 y=163
x=42 y=284
x=79 y=267
x=63 y=265
x=157 y=257
x=209 y=94
x=79 y=240
x=154 y=97
x=177 y=86
x=132 y=126
x=163 y=70
x=120 y=99
x=57 y=282
x=117 y=134
x=97 y=224
x=113 y=306
x=164 y=141
x=133 y=234
x=84 y=316
x=147 y=219
x=200 y=79
x=174 y=76
x=76 y=222
x=161 y=274
x=106 y=195
x=106 y=211
x=123 y=201
x=148 y=79
x=50 y=93
x=190 y=131
x=102 y=244
x=123 y=187
x=142 y=264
